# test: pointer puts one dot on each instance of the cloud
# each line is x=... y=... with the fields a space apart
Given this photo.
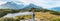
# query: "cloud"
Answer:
x=8 y=0
x=48 y=3
x=43 y=3
x=2 y=2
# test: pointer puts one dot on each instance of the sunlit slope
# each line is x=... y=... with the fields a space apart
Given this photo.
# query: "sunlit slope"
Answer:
x=45 y=16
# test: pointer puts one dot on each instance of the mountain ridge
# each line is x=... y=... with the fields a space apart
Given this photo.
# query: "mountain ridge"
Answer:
x=55 y=9
x=11 y=5
x=31 y=5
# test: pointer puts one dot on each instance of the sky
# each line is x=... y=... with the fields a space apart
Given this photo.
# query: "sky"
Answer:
x=42 y=3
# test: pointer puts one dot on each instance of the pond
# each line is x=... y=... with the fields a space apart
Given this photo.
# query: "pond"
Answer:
x=18 y=14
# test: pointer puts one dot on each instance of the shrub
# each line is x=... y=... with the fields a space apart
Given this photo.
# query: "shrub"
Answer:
x=56 y=19
x=55 y=13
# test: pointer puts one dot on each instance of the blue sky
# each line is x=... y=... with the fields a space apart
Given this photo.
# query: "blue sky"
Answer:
x=42 y=3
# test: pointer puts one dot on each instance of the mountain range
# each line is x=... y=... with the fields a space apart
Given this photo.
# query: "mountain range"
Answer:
x=55 y=9
x=31 y=5
x=13 y=5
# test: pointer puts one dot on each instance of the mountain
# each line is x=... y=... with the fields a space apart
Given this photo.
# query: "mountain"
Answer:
x=28 y=7
x=55 y=9
x=11 y=5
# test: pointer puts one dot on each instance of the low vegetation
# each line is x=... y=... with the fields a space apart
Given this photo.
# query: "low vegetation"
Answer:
x=4 y=12
x=39 y=13
x=56 y=19
x=17 y=18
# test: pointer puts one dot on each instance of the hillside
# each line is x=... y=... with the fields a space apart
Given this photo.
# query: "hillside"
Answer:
x=45 y=16
x=55 y=9
x=11 y=5
x=41 y=14
x=4 y=12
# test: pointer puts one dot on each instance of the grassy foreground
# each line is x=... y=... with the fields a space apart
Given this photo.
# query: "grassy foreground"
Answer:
x=47 y=16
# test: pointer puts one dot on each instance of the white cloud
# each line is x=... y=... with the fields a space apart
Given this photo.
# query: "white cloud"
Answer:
x=44 y=3
x=48 y=3
x=2 y=2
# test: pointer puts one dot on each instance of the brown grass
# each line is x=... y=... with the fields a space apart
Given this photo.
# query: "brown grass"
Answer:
x=45 y=16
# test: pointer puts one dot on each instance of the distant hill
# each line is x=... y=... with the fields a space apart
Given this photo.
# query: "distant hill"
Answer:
x=55 y=9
